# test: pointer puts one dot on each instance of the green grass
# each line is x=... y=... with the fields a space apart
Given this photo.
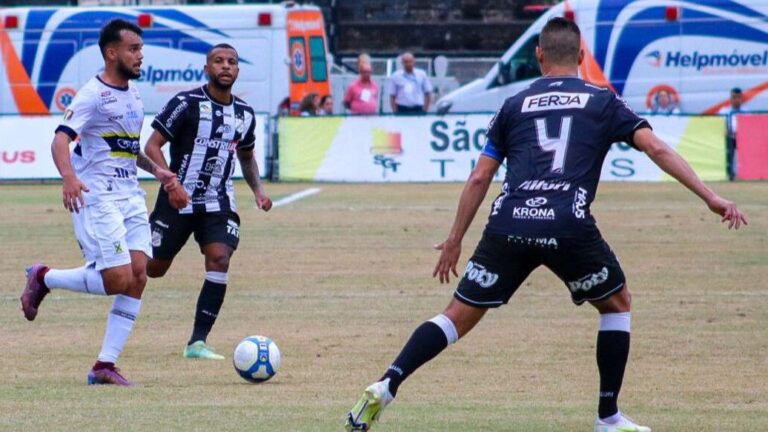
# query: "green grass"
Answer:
x=340 y=279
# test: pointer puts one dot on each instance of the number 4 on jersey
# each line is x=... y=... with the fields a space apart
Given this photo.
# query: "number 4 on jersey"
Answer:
x=558 y=145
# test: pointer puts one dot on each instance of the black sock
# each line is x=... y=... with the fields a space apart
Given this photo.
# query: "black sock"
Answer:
x=208 y=306
x=612 y=354
x=426 y=342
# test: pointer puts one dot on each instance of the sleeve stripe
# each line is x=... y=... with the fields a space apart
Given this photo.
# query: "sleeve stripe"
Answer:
x=67 y=130
x=162 y=129
x=491 y=151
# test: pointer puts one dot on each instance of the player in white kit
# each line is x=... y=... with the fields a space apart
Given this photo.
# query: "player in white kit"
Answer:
x=102 y=192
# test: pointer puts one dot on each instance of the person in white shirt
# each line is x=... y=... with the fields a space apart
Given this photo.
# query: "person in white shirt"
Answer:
x=409 y=88
x=101 y=191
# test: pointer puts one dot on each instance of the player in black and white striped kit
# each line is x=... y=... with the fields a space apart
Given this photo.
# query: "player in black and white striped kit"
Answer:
x=207 y=127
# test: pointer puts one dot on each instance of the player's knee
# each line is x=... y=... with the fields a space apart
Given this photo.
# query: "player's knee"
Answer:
x=156 y=269
x=118 y=285
x=218 y=262
x=139 y=280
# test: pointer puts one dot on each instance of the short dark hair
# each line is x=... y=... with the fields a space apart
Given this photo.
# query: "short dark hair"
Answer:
x=110 y=33
x=221 y=45
x=560 y=41
x=736 y=90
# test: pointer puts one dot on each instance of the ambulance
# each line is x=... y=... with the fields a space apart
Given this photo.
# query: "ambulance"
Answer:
x=49 y=53
x=695 y=51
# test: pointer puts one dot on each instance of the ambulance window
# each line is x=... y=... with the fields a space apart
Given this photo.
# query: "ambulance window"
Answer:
x=298 y=54
x=319 y=63
x=521 y=66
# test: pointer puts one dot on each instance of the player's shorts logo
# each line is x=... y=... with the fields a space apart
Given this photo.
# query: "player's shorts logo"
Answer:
x=478 y=273
x=232 y=228
x=579 y=203
x=587 y=282
x=536 y=202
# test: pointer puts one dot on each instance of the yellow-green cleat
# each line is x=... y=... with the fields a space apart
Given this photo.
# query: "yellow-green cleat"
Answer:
x=368 y=409
x=199 y=350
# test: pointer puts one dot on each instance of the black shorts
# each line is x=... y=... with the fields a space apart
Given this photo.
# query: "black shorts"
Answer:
x=171 y=230
x=500 y=264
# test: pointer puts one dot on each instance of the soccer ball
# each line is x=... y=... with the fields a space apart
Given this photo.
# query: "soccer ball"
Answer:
x=257 y=358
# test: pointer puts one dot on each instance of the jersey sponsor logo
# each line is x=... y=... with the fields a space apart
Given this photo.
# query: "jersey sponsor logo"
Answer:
x=533 y=213
x=193 y=185
x=214 y=166
x=175 y=114
x=536 y=202
x=232 y=228
x=107 y=100
x=217 y=144
x=589 y=281
x=122 y=144
x=555 y=101
x=500 y=200
x=579 y=203
x=536 y=185
x=224 y=129
x=478 y=273
x=548 y=242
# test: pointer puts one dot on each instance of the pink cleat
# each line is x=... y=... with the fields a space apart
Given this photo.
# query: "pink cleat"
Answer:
x=34 y=292
x=108 y=375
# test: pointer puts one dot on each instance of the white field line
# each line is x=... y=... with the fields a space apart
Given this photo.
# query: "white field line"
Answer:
x=295 y=197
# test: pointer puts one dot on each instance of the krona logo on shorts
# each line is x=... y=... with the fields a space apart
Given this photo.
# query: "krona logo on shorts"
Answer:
x=587 y=282
x=478 y=273
x=555 y=101
x=534 y=185
x=533 y=213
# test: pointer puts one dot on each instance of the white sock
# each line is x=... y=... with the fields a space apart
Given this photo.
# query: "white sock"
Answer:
x=619 y=321
x=84 y=279
x=446 y=325
x=119 y=326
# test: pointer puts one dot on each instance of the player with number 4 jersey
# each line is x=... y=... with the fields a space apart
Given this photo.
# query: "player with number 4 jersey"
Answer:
x=554 y=137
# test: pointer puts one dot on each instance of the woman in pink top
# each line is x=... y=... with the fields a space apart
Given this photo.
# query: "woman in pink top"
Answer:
x=362 y=96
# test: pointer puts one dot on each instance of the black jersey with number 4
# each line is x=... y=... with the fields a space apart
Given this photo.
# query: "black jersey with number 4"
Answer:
x=204 y=137
x=554 y=136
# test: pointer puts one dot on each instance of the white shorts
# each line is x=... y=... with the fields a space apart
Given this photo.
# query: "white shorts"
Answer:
x=108 y=230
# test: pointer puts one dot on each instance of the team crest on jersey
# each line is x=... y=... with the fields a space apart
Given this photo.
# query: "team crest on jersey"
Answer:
x=555 y=101
x=206 y=111
x=68 y=114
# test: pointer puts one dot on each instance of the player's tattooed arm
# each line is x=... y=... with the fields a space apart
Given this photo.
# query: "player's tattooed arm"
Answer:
x=253 y=178
x=145 y=163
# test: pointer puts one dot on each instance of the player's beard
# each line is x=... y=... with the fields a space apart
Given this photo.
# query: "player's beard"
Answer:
x=126 y=72
x=221 y=86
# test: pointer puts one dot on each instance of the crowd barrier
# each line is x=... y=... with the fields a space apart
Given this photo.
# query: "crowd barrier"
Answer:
x=25 y=146
x=445 y=148
x=426 y=148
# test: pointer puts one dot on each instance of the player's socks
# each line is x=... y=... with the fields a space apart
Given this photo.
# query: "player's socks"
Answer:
x=119 y=326
x=208 y=305
x=426 y=342
x=612 y=353
x=84 y=279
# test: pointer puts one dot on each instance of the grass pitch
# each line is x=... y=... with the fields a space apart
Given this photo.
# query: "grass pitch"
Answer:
x=340 y=279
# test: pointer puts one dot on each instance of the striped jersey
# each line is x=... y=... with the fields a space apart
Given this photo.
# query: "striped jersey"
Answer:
x=107 y=120
x=204 y=137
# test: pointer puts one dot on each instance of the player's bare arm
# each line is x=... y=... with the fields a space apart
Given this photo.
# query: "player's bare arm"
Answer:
x=673 y=164
x=72 y=188
x=253 y=178
x=177 y=195
x=471 y=197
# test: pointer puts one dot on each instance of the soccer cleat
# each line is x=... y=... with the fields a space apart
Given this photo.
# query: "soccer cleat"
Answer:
x=624 y=424
x=368 y=409
x=34 y=292
x=199 y=350
x=108 y=375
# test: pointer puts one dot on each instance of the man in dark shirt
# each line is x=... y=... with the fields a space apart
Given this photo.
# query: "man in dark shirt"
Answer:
x=206 y=127
x=554 y=136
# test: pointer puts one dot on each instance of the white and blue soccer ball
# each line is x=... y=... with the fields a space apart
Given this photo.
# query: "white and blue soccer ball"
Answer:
x=257 y=358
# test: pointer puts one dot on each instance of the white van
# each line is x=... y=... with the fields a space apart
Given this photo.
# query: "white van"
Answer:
x=49 y=53
x=696 y=51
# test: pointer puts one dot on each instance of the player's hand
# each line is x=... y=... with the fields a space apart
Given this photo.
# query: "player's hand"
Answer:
x=449 y=255
x=72 y=193
x=177 y=195
x=263 y=202
x=728 y=211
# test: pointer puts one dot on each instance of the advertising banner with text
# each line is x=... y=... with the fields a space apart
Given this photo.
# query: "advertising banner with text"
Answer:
x=25 y=147
x=446 y=148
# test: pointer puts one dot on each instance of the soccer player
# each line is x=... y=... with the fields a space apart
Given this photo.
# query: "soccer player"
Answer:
x=101 y=191
x=206 y=127
x=554 y=136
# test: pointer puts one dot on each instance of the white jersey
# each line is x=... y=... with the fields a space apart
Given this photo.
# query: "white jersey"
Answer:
x=108 y=121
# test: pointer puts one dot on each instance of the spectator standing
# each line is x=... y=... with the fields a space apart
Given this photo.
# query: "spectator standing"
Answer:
x=731 y=126
x=409 y=88
x=310 y=105
x=326 y=105
x=664 y=104
x=362 y=96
